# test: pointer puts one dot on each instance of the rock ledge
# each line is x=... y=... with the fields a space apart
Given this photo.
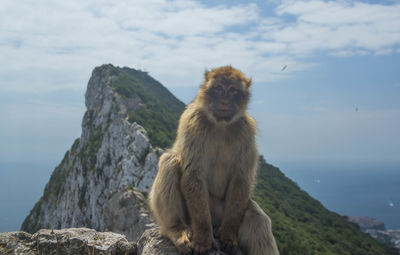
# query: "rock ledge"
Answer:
x=85 y=241
x=65 y=241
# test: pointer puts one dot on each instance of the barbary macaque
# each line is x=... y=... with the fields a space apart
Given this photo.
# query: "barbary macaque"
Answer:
x=204 y=183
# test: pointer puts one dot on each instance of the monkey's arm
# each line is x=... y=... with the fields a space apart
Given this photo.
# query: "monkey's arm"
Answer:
x=195 y=194
x=194 y=190
x=236 y=202
x=238 y=196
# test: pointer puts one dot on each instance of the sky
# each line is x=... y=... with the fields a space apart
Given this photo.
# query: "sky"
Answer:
x=337 y=100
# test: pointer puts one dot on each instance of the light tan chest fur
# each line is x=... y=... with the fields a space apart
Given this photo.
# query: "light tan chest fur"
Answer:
x=218 y=168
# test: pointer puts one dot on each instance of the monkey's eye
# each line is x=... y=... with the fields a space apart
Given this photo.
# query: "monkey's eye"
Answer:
x=232 y=92
x=219 y=91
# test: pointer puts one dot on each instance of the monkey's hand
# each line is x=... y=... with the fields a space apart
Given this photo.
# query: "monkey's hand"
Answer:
x=229 y=243
x=202 y=242
x=183 y=242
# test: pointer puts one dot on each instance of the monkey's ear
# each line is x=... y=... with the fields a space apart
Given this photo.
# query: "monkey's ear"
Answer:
x=248 y=82
x=206 y=75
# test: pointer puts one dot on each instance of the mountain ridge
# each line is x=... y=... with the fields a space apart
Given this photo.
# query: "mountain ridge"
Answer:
x=110 y=165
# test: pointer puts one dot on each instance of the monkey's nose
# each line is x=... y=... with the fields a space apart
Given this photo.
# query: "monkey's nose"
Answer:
x=224 y=102
x=224 y=106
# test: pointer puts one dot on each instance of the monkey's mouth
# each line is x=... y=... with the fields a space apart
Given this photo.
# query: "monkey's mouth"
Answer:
x=223 y=112
x=223 y=115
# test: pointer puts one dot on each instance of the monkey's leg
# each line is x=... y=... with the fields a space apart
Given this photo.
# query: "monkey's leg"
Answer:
x=255 y=232
x=167 y=203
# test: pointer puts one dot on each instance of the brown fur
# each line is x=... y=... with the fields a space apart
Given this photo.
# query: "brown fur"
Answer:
x=205 y=180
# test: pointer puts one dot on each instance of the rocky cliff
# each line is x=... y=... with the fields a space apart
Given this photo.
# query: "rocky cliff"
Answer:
x=377 y=230
x=366 y=223
x=104 y=178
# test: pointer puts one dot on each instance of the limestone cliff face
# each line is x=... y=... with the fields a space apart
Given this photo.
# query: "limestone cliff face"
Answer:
x=103 y=179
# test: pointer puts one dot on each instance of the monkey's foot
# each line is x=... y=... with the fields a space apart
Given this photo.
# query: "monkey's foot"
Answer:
x=203 y=246
x=200 y=249
x=183 y=242
x=230 y=247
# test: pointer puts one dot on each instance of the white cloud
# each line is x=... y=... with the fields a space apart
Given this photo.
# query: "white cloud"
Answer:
x=47 y=45
x=338 y=26
x=169 y=38
x=349 y=53
x=384 y=52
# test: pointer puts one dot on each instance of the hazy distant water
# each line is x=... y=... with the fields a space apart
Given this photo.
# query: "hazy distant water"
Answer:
x=365 y=190
x=21 y=185
x=371 y=190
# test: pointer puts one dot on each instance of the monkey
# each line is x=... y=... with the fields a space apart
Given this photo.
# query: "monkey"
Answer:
x=204 y=183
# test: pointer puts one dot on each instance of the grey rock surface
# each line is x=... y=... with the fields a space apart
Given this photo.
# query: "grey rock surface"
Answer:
x=65 y=242
x=17 y=243
x=112 y=164
x=76 y=241
x=152 y=243
x=127 y=208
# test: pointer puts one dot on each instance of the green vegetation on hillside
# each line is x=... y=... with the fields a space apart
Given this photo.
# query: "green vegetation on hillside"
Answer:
x=302 y=225
x=158 y=111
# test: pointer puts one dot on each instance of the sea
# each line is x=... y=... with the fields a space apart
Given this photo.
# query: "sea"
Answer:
x=21 y=186
x=371 y=190
x=352 y=189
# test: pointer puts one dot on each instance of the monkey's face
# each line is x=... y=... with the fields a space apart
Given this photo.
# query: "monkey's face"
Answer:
x=226 y=98
x=224 y=94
